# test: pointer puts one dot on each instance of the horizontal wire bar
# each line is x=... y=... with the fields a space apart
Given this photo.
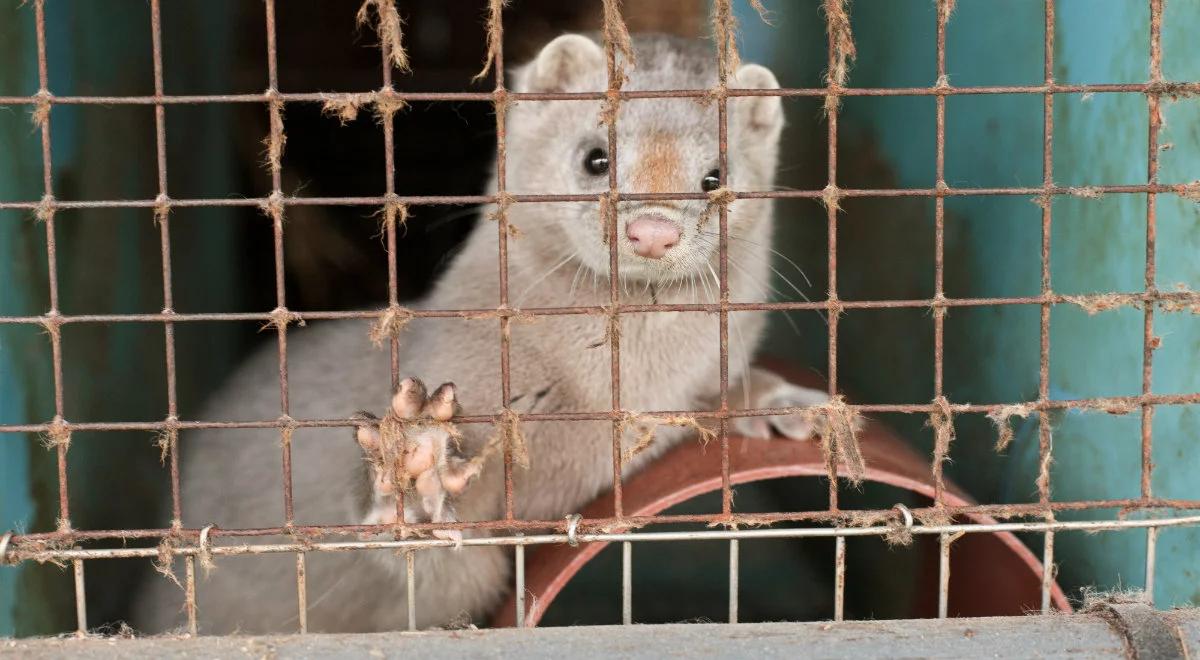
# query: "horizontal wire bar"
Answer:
x=490 y=313
x=1168 y=88
x=1113 y=405
x=18 y=554
x=308 y=532
x=461 y=200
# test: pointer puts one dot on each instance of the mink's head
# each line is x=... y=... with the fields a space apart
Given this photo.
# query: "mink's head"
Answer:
x=664 y=145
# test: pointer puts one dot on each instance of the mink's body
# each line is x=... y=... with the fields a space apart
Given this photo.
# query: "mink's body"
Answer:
x=669 y=361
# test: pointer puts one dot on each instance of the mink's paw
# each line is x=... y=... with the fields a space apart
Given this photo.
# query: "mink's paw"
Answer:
x=778 y=393
x=409 y=451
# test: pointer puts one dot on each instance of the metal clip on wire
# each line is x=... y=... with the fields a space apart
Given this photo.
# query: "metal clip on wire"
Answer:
x=4 y=541
x=573 y=529
x=906 y=514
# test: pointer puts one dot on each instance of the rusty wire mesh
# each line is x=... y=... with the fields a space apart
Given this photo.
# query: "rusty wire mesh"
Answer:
x=195 y=544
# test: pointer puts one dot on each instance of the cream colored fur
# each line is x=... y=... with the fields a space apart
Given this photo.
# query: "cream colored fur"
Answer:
x=669 y=361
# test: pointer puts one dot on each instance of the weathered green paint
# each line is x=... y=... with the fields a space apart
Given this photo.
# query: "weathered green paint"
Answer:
x=108 y=262
x=22 y=270
x=992 y=247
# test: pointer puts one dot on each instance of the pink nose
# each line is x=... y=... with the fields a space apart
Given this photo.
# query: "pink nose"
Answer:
x=652 y=235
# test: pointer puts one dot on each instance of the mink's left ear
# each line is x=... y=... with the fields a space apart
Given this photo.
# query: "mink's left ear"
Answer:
x=563 y=65
x=761 y=115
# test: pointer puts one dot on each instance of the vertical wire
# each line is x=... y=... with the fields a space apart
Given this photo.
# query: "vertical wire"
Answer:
x=1045 y=438
x=839 y=579
x=626 y=583
x=1048 y=572
x=519 y=561
x=500 y=96
x=387 y=121
x=833 y=309
x=614 y=289
x=52 y=316
x=276 y=209
x=944 y=541
x=81 y=624
x=723 y=61
x=274 y=108
x=1154 y=104
x=939 y=312
x=163 y=219
x=411 y=590
x=302 y=591
x=189 y=564
x=733 y=580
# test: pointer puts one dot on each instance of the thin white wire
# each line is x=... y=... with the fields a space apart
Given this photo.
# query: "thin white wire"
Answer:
x=549 y=539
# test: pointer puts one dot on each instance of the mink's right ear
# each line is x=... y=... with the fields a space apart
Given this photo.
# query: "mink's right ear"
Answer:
x=762 y=115
x=562 y=65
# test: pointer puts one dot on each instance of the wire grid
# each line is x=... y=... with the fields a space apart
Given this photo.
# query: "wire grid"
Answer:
x=193 y=543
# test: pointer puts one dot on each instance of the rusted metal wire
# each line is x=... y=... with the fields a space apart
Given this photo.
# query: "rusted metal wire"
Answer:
x=1121 y=405
x=942 y=420
x=813 y=92
x=1154 y=102
x=500 y=104
x=1130 y=298
x=1037 y=516
x=823 y=516
x=461 y=200
x=608 y=209
x=1044 y=435
x=162 y=215
x=606 y=537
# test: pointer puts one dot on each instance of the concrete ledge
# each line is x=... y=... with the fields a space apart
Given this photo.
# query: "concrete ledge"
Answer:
x=1061 y=636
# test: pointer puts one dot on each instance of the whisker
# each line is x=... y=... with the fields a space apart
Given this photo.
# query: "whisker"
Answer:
x=776 y=292
x=560 y=264
x=767 y=285
x=788 y=281
x=716 y=280
x=575 y=281
x=773 y=251
x=704 y=283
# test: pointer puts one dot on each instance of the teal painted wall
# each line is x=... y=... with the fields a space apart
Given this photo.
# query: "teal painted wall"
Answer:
x=19 y=262
x=108 y=262
x=992 y=246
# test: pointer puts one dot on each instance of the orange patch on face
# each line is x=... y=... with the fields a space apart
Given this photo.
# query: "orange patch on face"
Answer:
x=657 y=167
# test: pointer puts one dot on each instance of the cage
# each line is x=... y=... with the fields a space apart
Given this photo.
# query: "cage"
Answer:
x=995 y=203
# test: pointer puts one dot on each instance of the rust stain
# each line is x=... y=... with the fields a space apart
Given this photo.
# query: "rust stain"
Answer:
x=657 y=168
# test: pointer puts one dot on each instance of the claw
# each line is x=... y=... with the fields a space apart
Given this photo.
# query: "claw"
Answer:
x=409 y=399
x=458 y=474
x=443 y=403
x=368 y=438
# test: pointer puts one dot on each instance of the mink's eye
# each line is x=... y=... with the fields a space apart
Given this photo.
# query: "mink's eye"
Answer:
x=711 y=181
x=596 y=162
